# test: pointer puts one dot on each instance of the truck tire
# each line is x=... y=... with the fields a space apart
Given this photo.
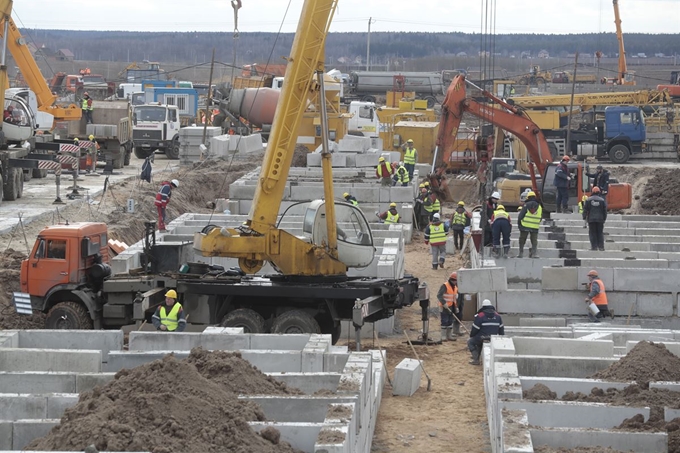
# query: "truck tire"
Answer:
x=38 y=173
x=295 y=321
x=28 y=174
x=368 y=98
x=127 y=153
x=523 y=81
x=141 y=153
x=10 y=188
x=431 y=101
x=69 y=315
x=117 y=162
x=20 y=182
x=250 y=320
x=540 y=81
x=173 y=151
x=619 y=154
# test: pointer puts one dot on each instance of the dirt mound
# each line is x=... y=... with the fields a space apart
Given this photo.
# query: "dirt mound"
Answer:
x=235 y=375
x=539 y=392
x=633 y=395
x=646 y=362
x=661 y=193
x=656 y=423
x=10 y=269
x=164 y=406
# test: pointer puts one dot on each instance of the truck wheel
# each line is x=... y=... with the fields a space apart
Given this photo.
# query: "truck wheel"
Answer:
x=38 y=173
x=141 y=153
x=523 y=81
x=295 y=321
x=127 y=153
x=540 y=81
x=20 y=182
x=173 y=151
x=10 y=189
x=28 y=174
x=431 y=101
x=69 y=315
x=368 y=98
x=619 y=154
x=250 y=320
x=118 y=162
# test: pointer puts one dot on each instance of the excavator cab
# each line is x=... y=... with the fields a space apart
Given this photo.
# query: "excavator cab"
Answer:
x=577 y=186
x=355 y=241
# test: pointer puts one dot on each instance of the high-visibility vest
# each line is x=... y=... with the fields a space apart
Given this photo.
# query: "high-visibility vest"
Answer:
x=500 y=214
x=410 y=156
x=459 y=218
x=402 y=174
x=354 y=202
x=532 y=221
x=387 y=169
x=435 y=206
x=437 y=233
x=601 y=297
x=580 y=206
x=171 y=320
x=392 y=218
x=84 y=104
x=450 y=295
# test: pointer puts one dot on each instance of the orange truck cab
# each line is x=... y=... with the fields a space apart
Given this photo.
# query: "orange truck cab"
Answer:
x=64 y=272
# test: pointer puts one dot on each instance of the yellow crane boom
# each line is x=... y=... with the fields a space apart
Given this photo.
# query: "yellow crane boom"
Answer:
x=587 y=101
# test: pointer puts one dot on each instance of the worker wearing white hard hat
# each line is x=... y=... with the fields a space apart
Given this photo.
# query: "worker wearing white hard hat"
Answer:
x=162 y=200
x=491 y=204
x=487 y=323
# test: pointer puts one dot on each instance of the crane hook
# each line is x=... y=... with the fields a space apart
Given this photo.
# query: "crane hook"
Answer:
x=236 y=4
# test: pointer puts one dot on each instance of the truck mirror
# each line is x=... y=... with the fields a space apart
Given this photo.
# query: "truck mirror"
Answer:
x=85 y=247
x=134 y=119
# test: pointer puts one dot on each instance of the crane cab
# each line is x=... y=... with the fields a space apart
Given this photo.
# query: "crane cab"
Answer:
x=18 y=123
x=355 y=240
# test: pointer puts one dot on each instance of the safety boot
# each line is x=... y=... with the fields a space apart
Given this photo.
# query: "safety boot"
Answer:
x=506 y=251
x=441 y=264
x=456 y=329
x=494 y=252
x=434 y=267
x=444 y=331
x=475 y=357
x=521 y=253
x=449 y=334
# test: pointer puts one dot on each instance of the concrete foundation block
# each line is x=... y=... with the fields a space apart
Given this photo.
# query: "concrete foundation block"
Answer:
x=162 y=341
x=485 y=279
x=653 y=304
x=564 y=414
x=542 y=322
x=17 y=407
x=515 y=434
x=295 y=342
x=6 y=429
x=561 y=385
x=564 y=347
x=57 y=404
x=653 y=280
x=102 y=340
x=28 y=382
x=224 y=342
x=406 y=377
x=558 y=366
x=560 y=278
x=301 y=436
x=617 y=440
x=23 y=359
x=88 y=381
x=26 y=431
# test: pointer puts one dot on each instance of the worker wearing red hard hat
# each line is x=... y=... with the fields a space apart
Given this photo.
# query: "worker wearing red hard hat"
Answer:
x=450 y=308
x=595 y=214
x=561 y=182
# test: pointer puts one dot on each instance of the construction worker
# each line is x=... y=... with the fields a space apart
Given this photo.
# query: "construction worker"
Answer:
x=350 y=199
x=435 y=235
x=87 y=107
x=391 y=215
x=561 y=182
x=384 y=172
x=459 y=220
x=501 y=226
x=595 y=213
x=581 y=205
x=450 y=304
x=162 y=200
x=169 y=317
x=491 y=204
x=432 y=203
x=487 y=322
x=421 y=211
x=401 y=175
x=410 y=158
x=601 y=180
x=598 y=296
x=528 y=222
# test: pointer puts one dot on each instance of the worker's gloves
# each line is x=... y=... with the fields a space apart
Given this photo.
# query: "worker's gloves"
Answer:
x=455 y=310
x=427 y=242
x=588 y=300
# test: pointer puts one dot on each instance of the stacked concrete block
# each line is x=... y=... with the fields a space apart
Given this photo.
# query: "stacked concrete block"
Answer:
x=190 y=140
x=354 y=144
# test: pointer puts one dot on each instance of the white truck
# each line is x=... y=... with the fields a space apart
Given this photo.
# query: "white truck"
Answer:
x=155 y=128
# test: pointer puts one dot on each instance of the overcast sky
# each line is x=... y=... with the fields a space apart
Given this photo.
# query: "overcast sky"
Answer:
x=512 y=16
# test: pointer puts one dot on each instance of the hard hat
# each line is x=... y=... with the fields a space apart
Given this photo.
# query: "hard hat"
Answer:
x=76 y=139
x=584 y=198
x=410 y=140
x=345 y=195
x=401 y=163
x=567 y=158
x=427 y=183
x=486 y=303
x=382 y=159
x=501 y=207
x=171 y=293
x=85 y=94
x=175 y=183
x=436 y=216
x=596 y=189
x=422 y=186
x=91 y=137
x=592 y=273
x=461 y=203
x=531 y=193
x=496 y=195
x=453 y=276
x=393 y=205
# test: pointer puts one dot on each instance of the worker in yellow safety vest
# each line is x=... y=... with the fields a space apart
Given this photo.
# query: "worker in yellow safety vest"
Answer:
x=350 y=199
x=410 y=158
x=435 y=236
x=401 y=175
x=459 y=220
x=169 y=317
x=87 y=107
x=501 y=226
x=529 y=221
x=391 y=215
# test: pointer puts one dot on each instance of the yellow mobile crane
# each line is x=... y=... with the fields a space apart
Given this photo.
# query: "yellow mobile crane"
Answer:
x=588 y=101
x=623 y=76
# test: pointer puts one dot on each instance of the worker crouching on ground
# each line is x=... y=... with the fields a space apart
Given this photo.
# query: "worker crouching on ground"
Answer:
x=459 y=220
x=162 y=200
x=597 y=296
x=169 y=317
x=450 y=304
x=391 y=215
x=528 y=222
x=435 y=235
x=501 y=226
x=490 y=205
x=350 y=199
x=595 y=213
x=401 y=176
x=384 y=172
x=487 y=322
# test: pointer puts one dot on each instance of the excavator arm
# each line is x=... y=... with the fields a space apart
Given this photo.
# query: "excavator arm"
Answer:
x=509 y=118
x=260 y=240
x=16 y=44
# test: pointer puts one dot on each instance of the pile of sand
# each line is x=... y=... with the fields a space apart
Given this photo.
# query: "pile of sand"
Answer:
x=646 y=362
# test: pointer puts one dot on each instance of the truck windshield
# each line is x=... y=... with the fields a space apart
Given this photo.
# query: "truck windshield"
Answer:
x=148 y=113
x=94 y=79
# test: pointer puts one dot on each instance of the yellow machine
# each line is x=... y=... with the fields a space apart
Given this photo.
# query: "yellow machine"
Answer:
x=623 y=76
x=588 y=101
x=16 y=44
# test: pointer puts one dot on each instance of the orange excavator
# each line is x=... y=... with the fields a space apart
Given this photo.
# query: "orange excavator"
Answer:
x=516 y=122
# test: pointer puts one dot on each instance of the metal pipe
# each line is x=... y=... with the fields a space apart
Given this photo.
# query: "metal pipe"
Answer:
x=327 y=166
x=4 y=43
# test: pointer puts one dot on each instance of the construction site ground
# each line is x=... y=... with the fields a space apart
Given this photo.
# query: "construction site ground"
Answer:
x=449 y=418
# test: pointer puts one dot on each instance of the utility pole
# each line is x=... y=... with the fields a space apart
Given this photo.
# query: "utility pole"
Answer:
x=571 y=106
x=368 y=45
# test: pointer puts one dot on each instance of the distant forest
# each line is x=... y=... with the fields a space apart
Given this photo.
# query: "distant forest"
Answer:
x=196 y=47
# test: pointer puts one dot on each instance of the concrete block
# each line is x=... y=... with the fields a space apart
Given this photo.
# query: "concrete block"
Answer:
x=225 y=342
x=558 y=366
x=294 y=342
x=57 y=404
x=485 y=279
x=17 y=407
x=9 y=339
x=103 y=340
x=671 y=346
x=652 y=304
x=29 y=382
x=605 y=274
x=406 y=377
x=560 y=278
x=543 y=322
x=657 y=280
x=369 y=160
x=88 y=381
x=616 y=440
x=563 y=347
x=162 y=341
x=26 y=431
x=301 y=436
x=6 y=429
x=566 y=414
x=78 y=360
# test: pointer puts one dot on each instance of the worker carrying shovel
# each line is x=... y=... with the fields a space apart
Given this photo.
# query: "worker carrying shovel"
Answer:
x=450 y=305
x=597 y=298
